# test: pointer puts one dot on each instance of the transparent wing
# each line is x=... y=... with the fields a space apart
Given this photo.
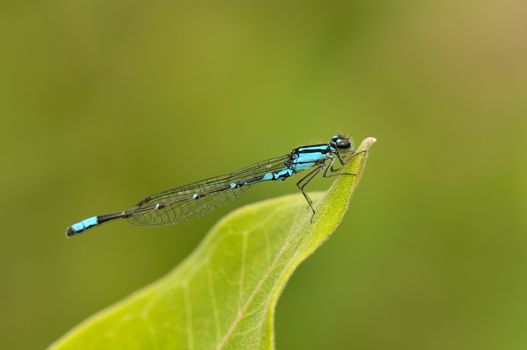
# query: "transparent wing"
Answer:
x=197 y=199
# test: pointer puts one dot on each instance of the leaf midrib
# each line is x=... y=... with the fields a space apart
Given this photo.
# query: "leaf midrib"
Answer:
x=243 y=310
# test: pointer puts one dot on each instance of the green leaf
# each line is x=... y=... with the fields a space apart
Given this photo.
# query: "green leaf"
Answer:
x=223 y=296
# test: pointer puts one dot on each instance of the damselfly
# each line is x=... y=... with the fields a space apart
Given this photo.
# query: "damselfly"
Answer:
x=196 y=199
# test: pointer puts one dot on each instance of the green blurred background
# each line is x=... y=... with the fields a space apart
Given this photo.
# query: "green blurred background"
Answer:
x=103 y=102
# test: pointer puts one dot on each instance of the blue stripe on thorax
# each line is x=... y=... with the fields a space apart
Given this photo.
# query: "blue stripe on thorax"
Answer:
x=315 y=148
x=84 y=224
x=304 y=161
x=301 y=158
x=309 y=157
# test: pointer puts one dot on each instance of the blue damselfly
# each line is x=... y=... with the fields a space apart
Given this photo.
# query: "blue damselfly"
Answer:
x=196 y=199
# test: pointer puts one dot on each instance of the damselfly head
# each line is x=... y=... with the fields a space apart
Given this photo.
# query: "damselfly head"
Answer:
x=342 y=143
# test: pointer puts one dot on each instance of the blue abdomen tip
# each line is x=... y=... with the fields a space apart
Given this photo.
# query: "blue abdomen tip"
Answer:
x=82 y=226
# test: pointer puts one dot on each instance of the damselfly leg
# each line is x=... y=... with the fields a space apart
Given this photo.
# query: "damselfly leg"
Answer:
x=342 y=162
x=303 y=182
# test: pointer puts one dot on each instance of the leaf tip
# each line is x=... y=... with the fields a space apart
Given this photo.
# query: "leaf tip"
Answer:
x=367 y=142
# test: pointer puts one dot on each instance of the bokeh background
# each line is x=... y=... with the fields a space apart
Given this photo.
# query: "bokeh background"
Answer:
x=104 y=102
